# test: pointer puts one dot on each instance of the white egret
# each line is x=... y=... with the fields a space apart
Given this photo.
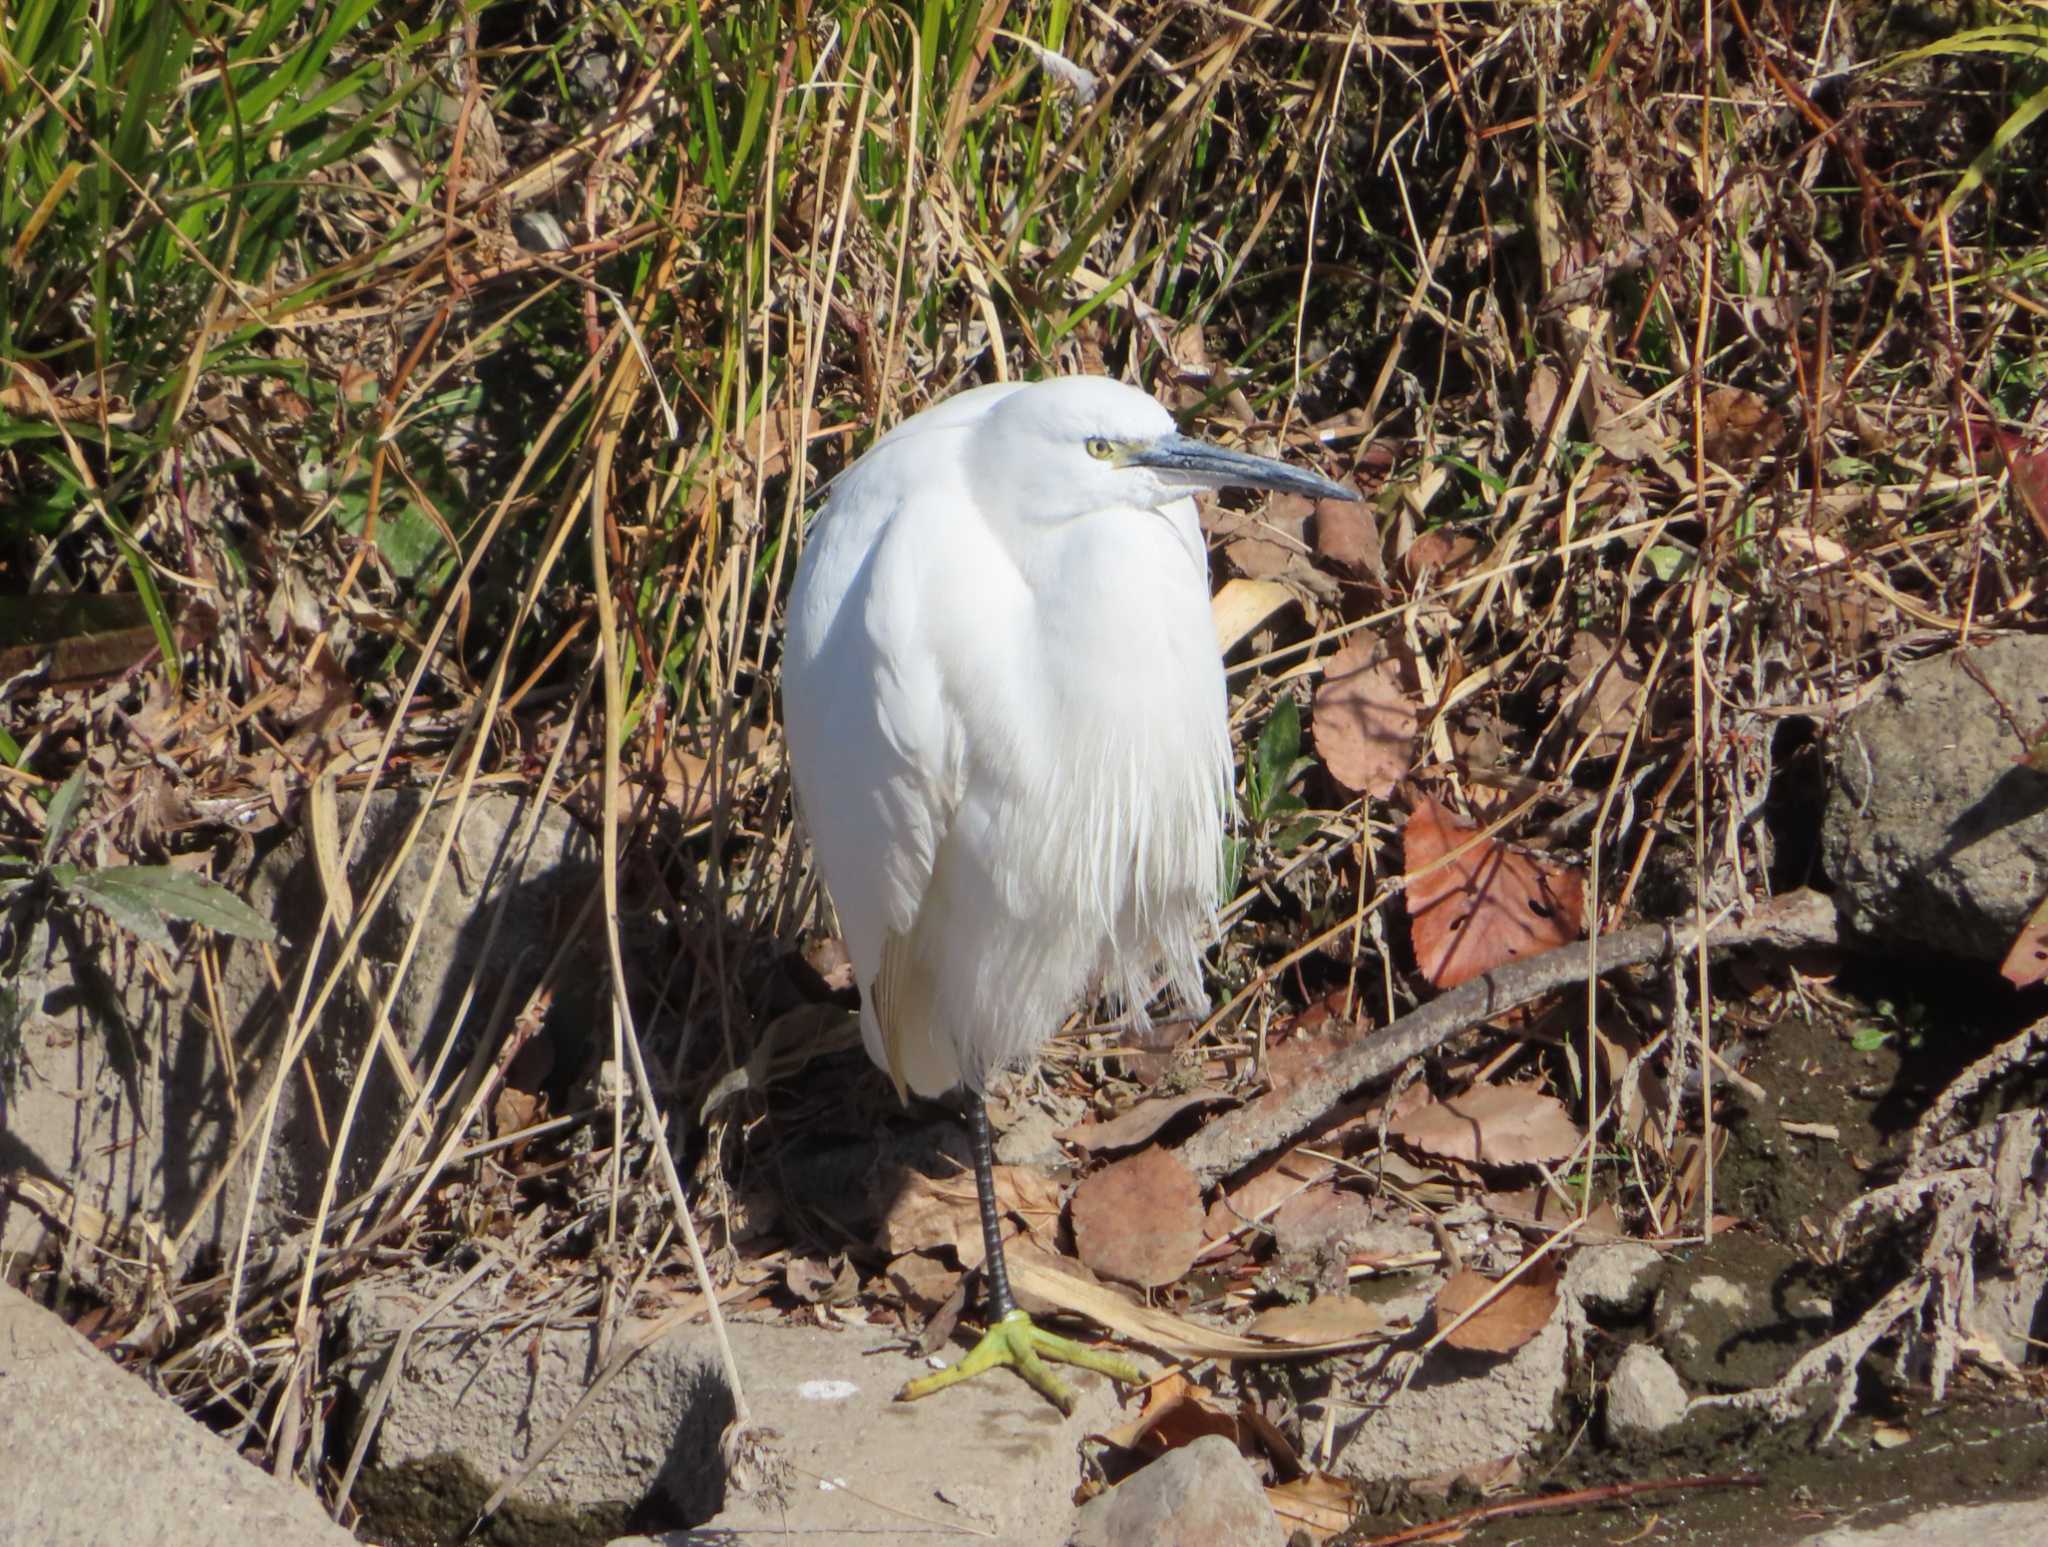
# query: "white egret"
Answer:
x=1006 y=721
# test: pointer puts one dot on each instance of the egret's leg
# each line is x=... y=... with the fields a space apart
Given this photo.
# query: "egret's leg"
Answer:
x=1012 y=1338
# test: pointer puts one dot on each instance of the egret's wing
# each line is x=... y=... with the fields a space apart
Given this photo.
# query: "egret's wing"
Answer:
x=872 y=745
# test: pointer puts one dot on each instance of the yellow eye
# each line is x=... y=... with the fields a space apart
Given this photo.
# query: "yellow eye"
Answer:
x=1100 y=449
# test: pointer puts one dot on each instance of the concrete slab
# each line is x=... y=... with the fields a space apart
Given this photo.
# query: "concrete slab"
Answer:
x=1970 y=1525
x=90 y=1455
x=482 y=1390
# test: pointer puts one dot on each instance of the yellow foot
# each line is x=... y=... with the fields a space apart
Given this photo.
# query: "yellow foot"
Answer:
x=1018 y=1343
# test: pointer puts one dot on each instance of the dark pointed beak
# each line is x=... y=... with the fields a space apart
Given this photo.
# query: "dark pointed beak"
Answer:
x=1217 y=468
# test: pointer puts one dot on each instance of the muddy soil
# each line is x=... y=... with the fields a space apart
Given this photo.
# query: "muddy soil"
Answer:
x=1850 y=1086
x=1884 y=1466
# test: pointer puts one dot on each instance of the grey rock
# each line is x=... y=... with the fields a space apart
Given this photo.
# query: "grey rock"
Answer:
x=1644 y=1395
x=1968 y=1525
x=119 y=1095
x=1614 y=1281
x=1462 y=1410
x=109 y=1098
x=1934 y=834
x=90 y=1455
x=480 y=1392
x=989 y=1458
x=471 y=970
x=1203 y=1494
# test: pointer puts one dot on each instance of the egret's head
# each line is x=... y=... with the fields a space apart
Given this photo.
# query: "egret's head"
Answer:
x=1063 y=448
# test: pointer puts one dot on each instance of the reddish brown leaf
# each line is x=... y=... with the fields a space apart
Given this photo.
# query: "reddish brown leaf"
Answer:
x=1140 y=1220
x=1176 y=1411
x=1309 y=1041
x=1492 y=904
x=1514 y=1316
x=1265 y=1191
x=1439 y=551
x=1366 y=717
x=2030 y=483
x=1347 y=535
x=1492 y=1125
x=2027 y=962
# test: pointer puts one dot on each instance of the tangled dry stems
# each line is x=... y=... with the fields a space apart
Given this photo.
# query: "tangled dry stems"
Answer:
x=1674 y=351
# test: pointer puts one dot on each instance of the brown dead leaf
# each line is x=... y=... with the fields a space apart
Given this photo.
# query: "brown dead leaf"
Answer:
x=1138 y=1125
x=931 y=1214
x=1737 y=426
x=1602 y=684
x=1325 y=1319
x=1264 y=544
x=1540 y=401
x=768 y=438
x=514 y=1111
x=1621 y=426
x=923 y=1281
x=1810 y=549
x=1318 y=1504
x=2029 y=469
x=1509 y=1320
x=1347 y=535
x=1264 y=1192
x=1140 y=1220
x=2027 y=962
x=686 y=784
x=816 y=1281
x=316 y=691
x=1176 y=1412
x=1437 y=551
x=926 y=1215
x=1491 y=905
x=1491 y=1125
x=1179 y=1336
x=1367 y=716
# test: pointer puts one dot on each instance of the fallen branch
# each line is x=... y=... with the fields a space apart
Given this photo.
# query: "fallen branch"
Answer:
x=1235 y=1140
x=1440 y=1530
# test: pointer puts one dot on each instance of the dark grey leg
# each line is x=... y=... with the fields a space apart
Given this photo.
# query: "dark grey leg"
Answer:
x=1000 y=1301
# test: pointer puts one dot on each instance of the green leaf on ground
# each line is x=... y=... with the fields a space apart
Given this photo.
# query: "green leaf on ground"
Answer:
x=140 y=897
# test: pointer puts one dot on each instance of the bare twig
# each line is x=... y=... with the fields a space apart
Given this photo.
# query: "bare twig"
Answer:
x=1232 y=1142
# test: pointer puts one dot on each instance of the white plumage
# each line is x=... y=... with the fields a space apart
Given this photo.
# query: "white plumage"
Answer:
x=1006 y=720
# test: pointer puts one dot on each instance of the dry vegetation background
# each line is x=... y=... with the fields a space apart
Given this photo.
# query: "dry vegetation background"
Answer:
x=407 y=395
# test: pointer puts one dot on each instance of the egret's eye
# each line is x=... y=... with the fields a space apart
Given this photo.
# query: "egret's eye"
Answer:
x=1099 y=448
